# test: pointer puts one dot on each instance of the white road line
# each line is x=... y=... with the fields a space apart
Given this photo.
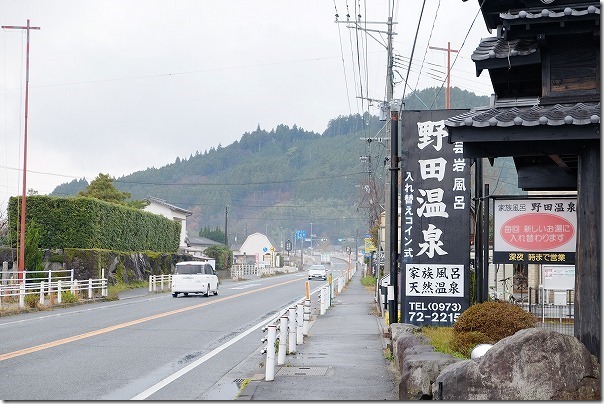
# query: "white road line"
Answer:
x=109 y=306
x=245 y=286
x=158 y=386
x=163 y=383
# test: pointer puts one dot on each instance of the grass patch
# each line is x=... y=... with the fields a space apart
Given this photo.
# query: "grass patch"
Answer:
x=440 y=338
x=388 y=354
x=114 y=290
x=369 y=282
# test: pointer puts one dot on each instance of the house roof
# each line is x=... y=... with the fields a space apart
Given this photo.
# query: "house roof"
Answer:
x=578 y=10
x=168 y=205
x=499 y=48
x=508 y=12
x=202 y=241
x=551 y=115
x=545 y=158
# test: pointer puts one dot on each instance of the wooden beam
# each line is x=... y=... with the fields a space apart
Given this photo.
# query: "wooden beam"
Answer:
x=588 y=265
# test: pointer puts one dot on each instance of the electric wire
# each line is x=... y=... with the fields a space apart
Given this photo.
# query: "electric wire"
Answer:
x=414 y=43
x=342 y=58
x=427 y=47
x=459 y=51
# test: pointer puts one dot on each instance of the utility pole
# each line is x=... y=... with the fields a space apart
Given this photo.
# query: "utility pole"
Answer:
x=448 y=90
x=226 y=222
x=394 y=228
x=21 y=264
x=385 y=104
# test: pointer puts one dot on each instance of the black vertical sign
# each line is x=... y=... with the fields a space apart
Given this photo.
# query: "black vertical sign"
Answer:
x=435 y=209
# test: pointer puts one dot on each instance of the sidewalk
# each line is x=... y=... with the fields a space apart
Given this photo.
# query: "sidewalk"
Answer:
x=342 y=358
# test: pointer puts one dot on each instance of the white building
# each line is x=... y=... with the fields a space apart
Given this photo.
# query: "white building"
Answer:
x=163 y=208
x=256 y=249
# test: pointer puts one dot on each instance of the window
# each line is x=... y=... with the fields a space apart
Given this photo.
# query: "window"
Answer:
x=208 y=270
x=189 y=269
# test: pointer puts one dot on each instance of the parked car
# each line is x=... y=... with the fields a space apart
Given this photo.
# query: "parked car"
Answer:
x=194 y=277
x=317 y=271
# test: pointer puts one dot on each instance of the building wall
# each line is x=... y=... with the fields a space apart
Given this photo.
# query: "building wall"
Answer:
x=256 y=244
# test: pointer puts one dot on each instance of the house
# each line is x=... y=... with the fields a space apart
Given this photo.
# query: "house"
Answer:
x=163 y=208
x=256 y=249
x=196 y=246
x=544 y=65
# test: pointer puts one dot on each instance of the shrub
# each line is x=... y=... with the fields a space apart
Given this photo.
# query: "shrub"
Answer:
x=68 y=297
x=32 y=300
x=368 y=281
x=496 y=320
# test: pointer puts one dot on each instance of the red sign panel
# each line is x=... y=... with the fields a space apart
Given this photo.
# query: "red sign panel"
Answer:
x=537 y=231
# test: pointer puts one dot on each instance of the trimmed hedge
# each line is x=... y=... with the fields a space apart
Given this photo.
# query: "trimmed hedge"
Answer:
x=80 y=222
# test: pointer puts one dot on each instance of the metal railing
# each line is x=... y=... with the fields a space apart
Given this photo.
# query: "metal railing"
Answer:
x=554 y=309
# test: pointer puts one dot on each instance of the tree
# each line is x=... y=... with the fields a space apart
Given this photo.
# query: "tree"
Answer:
x=216 y=234
x=33 y=255
x=102 y=188
x=222 y=254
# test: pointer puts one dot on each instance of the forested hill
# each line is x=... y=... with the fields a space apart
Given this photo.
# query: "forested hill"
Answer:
x=279 y=181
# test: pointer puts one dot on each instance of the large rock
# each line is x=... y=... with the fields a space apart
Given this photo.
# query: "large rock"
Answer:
x=417 y=361
x=533 y=364
x=419 y=372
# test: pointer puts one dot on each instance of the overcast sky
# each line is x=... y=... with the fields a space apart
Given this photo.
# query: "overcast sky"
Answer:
x=118 y=86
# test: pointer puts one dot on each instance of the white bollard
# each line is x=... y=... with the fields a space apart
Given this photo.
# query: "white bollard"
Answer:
x=299 y=323
x=90 y=288
x=42 y=292
x=104 y=287
x=161 y=283
x=323 y=301
x=306 y=320
x=282 y=340
x=270 y=353
x=59 y=294
x=292 y=330
x=21 y=295
x=150 y=283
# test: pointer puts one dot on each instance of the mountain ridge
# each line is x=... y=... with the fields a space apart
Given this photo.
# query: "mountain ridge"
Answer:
x=287 y=179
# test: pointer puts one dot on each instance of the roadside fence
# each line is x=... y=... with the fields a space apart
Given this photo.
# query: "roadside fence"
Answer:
x=49 y=285
x=239 y=271
x=554 y=309
x=287 y=330
x=158 y=282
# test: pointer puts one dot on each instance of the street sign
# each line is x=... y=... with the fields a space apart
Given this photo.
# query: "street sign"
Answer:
x=288 y=245
x=300 y=234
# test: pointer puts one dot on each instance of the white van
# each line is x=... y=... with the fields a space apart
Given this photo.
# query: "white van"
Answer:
x=194 y=277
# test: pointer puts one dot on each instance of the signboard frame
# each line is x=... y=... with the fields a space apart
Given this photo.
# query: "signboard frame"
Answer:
x=526 y=220
x=435 y=220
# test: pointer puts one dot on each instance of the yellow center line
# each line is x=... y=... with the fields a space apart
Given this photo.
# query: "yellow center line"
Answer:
x=130 y=323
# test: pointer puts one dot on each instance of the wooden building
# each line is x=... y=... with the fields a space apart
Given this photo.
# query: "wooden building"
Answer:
x=544 y=64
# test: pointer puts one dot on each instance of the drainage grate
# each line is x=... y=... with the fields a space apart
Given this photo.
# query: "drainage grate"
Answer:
x=303 y=371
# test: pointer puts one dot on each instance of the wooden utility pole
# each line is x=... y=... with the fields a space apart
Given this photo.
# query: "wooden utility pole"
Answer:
x=21 y=264
x=448 y=90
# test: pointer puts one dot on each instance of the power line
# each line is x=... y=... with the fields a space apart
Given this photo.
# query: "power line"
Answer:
x=460 y=48
x=414 y=43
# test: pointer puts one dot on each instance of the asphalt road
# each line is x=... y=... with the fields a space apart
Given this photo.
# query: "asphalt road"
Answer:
x=149 y=347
